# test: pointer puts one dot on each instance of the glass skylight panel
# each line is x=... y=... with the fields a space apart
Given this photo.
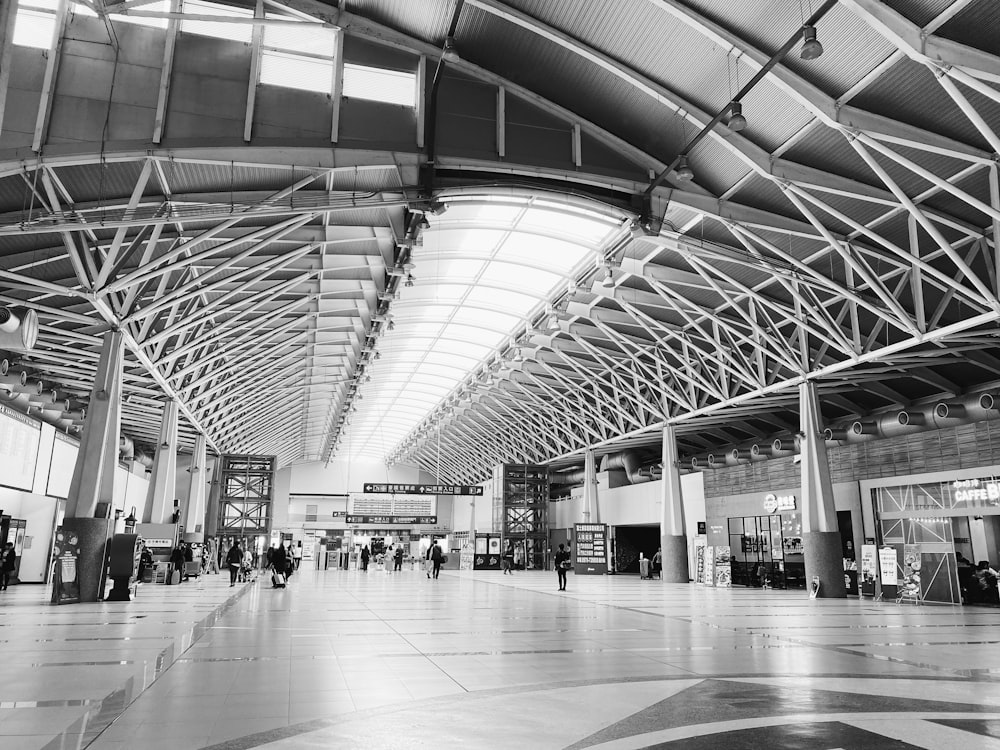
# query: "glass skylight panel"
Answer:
x=235 y=32
x=296 y=72
x=486 y=318
x=536 y=249
x=509 y=276
x=163 y=6
x=34 y=28
x=381 y=85
x=306 y=39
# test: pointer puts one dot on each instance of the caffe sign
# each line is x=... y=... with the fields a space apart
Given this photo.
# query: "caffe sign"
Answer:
x=773 y=503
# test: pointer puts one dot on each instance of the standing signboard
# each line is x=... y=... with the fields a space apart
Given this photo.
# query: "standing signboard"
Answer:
x=65 y=581
x=590 y=551
x=709 y=579
x=869 y=567
x=887 y=572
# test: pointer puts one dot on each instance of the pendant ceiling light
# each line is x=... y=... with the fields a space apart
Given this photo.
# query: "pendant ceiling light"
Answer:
x=736 y=119
x=684 y=172
x=811 y=48
x=609 y=277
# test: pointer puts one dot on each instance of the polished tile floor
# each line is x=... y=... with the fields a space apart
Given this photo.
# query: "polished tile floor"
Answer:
x=349 y=659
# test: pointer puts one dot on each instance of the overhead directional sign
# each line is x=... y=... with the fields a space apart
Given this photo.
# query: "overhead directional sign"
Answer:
x=422 y=489
x=392 y=520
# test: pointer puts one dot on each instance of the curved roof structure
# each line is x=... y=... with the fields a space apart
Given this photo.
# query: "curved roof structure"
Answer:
x=595 y=245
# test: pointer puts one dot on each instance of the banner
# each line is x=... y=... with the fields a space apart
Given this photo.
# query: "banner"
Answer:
x=869 y=566
x=590 y=551
x=709 y=579
x=65 y=582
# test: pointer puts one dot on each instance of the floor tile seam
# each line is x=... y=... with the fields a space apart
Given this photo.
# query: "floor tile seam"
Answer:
x=158 y=672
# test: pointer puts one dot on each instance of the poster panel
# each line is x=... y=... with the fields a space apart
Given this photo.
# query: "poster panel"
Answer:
x=887 y=566
x=590 y=552
x=869 y=566
x=699 y=561
x=723 y=566
x=709 y=579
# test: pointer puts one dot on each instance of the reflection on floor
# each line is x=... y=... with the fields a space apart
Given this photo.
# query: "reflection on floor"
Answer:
x=484 y=660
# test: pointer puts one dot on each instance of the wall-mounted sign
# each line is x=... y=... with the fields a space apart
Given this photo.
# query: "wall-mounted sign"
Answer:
x=701 y=527
x=339 y=513
x=975 y=491
x=423 y=489
x=774 y=502
x=392 y=520
x=159 y=543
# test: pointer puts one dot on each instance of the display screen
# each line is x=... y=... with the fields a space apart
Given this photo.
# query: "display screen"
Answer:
x=64 y=452
x=19 y=437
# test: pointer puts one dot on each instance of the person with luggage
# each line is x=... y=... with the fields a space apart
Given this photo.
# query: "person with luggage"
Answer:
x=562 y=563
x=177 y=563
x=234 y=558
x=278 y=565
x=656 y=567
x=398 y=557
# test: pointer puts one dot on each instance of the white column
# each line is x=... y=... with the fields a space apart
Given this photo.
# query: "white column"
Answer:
x=94 y=473
x=590 y=514
x=673 y=531
x=163 y=483
x=193 y=512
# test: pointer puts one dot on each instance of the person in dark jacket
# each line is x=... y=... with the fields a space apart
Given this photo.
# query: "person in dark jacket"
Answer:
x=278 y=559
x=397 y=558
x=562 y=562
x=436 y=556
x=8 y=561
x=177 y=560
x=233 y=560
x=366 y=555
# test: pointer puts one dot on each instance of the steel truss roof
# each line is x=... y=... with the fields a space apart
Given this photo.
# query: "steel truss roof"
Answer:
x=857 y=248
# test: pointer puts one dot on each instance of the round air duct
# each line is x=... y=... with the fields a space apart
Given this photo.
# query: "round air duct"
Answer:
x=18 y=329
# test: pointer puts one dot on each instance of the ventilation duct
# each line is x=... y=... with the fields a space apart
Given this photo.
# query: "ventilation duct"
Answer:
x=143 y=459
x=18 y=329
x=628 y=461
x=126 y=448
x=738 y=457
x=574 y=478
x=11 y=380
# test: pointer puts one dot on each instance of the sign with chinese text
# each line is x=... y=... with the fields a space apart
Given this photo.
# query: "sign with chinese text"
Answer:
x=423 y=489
x=392 y=520
x=590 y=549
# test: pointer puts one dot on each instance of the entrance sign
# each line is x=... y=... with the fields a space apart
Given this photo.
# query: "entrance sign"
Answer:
x=423 y=489
x=590 y=551
x=774 y=502
x=392 y=520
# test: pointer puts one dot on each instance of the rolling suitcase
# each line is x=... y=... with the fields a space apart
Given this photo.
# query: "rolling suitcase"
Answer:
x=278 y=580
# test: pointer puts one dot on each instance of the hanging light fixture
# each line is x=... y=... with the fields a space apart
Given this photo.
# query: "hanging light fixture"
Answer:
x=409 y=281
x=736 y=119
x=450 y=52
x=609 y=277
x=811 y=48
x=684 y=172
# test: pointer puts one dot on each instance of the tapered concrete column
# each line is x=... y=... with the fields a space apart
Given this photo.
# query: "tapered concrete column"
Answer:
x=673 y=532
x=820 y=534
x=193 y=503
x=214 y=498
x=163 y=483
x=590 y=514
x=94 y=473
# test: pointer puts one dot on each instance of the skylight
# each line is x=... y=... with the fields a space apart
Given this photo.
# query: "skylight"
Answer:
x=483 y=270
x=35 y=23
x=380 y=85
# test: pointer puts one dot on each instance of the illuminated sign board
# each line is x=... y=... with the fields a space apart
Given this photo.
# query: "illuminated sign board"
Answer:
x=774 y=502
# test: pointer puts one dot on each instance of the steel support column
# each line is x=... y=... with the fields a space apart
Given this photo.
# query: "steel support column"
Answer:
x=163 y=483
x=673 y=534
x=590 y=513
x=820 y=534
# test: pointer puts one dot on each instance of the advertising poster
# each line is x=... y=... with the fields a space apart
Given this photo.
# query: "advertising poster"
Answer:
x=699 y=561
x=468 y=555
x=485 y=559
x=590 y=552
x=868 y=569
x=709 y=579
x=494 y=545
x=909 y=586
x=65 y=584
x=887 y=566
x=723 y=569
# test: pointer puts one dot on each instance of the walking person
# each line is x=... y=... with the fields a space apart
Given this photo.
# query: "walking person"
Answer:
x=366 y=555
x=562 y=565
x=507 y=561
x=436 y=556
x=8 y=561
x=297 y=555
x=234 y=558
x=278 y=564
x=398 y=557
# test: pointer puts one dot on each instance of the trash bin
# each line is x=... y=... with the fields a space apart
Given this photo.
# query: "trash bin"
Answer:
x=644 y=568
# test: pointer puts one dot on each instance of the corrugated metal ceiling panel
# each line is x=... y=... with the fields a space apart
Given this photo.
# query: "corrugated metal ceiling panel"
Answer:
x=909 y=92
x=976 y=26
x=95 y=182
x=424 y=19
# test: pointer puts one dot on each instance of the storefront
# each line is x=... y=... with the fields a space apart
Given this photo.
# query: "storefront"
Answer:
x=763 y=532
x=934 y=519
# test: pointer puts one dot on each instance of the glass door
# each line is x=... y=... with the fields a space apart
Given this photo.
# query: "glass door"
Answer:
x=756 y=544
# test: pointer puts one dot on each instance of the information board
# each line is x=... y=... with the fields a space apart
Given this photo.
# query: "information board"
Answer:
x=869 y=568
x=423 y=489
x=19 y=438
x=590 y=549
x=64 y=452
x=392 y=520
x=887 y=566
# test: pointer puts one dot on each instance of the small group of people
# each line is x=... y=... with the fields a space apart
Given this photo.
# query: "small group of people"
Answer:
x=512 y=558
x=978 y=581
x=433 y=559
